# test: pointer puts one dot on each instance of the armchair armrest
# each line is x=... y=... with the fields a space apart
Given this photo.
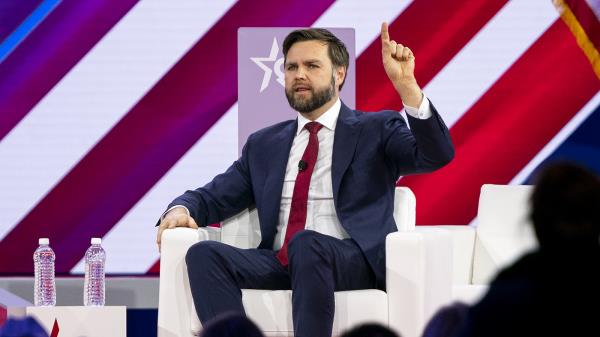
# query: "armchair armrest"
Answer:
x=463 y=250
x=418 y=277
x=405 y=205
x=242 y=230
x=175 y=298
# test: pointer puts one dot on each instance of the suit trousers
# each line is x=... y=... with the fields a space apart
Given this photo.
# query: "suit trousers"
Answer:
x=318 y=266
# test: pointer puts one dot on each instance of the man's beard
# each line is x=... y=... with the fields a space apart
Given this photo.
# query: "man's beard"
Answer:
x=318 y=98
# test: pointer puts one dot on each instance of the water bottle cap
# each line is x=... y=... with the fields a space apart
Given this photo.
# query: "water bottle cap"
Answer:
x=43 y=241
x=96 y=241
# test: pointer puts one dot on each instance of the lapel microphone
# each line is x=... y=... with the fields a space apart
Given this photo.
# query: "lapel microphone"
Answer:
x=302 y=165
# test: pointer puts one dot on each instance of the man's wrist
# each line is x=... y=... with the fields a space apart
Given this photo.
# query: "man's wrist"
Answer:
x=423 y=111
x=409 y=92
x=183 y=208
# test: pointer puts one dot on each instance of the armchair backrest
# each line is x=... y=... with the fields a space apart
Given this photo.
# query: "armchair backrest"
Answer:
x=243 y=230
x=405 y=209
x=503 y=230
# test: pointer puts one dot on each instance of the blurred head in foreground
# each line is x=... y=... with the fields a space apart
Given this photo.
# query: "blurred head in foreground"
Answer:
x=369 y=330
x=565 y=207
x=231 y=325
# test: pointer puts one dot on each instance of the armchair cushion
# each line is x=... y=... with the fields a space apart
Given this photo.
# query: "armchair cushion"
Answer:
x=503 y=230
x=272 y=310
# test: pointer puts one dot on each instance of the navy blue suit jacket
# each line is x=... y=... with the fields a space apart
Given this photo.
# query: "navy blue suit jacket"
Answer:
x=370 y=152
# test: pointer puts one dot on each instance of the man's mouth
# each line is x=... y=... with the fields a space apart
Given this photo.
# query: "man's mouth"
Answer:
x=301 y=89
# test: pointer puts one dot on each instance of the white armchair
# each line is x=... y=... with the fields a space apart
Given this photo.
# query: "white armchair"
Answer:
x=271 y=310
x=463 y=269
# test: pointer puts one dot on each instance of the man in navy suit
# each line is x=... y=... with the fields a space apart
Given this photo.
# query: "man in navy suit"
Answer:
x=323 y=185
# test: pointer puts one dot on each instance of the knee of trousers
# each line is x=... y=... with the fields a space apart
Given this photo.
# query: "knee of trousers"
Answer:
x=203 y=253
x=305 y=248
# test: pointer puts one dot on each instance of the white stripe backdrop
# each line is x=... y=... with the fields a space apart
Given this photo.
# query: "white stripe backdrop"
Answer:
x=94 y=96
x=104 y=86
x=482 y=61
x=496 y=47
x=364 y=16
x=557 y=140
x=130 y=244
x=201 y=163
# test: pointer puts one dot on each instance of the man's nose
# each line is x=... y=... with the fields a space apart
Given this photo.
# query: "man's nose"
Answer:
x=300 y=73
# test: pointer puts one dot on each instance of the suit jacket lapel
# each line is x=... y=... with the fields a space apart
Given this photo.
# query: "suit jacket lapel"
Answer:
x=347 y=130
x=278 y=153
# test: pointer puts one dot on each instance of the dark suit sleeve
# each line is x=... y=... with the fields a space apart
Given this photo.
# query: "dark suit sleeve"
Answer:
x=226 y=195
x=425 y=147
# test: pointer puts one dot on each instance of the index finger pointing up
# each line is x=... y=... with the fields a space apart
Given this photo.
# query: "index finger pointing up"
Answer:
x=385 y=35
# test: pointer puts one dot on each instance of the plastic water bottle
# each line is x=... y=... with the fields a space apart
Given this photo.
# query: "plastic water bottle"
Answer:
x=93 y=289
x=44 y=283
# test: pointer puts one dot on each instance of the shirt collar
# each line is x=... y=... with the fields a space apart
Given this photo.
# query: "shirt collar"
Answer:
x=328 y=119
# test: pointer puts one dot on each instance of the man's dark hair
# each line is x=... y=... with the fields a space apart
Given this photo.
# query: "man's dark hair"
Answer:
x=565 y=207
x=335 y=47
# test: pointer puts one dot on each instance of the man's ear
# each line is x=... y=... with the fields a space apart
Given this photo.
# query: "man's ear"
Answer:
x=340 y=75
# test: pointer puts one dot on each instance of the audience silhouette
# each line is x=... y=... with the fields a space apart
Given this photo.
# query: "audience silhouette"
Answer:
x=553 y=290
x=231 y=325
x=370 y=330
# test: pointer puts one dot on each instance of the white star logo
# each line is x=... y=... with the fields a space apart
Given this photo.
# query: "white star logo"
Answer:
x=268 y=71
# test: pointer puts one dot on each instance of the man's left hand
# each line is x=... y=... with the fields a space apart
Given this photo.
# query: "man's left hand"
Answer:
x=399 y=65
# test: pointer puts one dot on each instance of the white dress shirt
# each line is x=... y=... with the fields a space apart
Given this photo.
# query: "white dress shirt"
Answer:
x=320 y=213
x=320 y=210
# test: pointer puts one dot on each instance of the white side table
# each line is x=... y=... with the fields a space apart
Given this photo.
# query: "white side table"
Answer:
x=83 y=321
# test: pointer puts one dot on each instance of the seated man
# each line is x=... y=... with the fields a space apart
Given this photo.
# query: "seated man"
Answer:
x=323 y=185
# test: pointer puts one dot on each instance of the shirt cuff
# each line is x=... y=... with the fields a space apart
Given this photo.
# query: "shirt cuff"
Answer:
x=423 y=112
x=162 y=217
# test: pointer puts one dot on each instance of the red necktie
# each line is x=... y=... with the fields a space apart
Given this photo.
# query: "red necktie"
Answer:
x=297 y=219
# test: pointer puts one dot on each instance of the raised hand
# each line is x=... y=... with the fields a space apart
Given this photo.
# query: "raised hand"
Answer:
x=398 y=60
x=399 y=65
